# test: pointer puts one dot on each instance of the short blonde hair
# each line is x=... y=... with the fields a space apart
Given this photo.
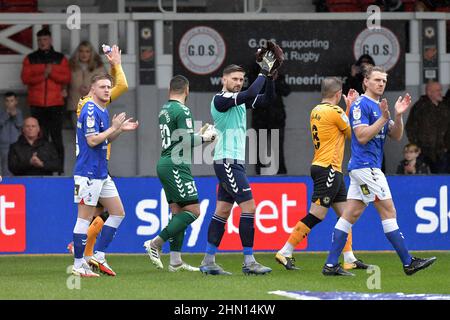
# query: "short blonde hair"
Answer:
x=102 y=76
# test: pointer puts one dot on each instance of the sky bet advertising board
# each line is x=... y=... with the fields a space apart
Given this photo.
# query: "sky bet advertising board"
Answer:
x=37 y=215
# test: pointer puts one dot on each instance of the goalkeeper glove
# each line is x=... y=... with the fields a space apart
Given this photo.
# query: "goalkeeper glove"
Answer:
x=267 y=62
x=208 y=133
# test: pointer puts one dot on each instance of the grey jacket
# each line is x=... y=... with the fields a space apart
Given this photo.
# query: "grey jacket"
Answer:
x=10 y=128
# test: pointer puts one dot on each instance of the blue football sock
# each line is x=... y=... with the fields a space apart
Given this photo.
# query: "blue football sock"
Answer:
x=339 y=240
x=340 y=234
x=211 y=249
x=398 y=242
x=80 y=237
x=79 y=243
x=106 y=238
x=395 y=237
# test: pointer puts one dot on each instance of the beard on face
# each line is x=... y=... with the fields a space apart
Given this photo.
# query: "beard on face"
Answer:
x=234 y=88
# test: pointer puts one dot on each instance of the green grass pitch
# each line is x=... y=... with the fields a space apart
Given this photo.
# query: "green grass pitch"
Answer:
x=45 y=277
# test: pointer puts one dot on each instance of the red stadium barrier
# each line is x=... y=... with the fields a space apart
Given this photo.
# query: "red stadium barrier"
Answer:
x=24 y=37
x=366 y=3
x=343 y=6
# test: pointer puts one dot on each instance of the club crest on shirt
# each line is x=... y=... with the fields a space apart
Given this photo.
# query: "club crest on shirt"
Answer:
x=90 y=122
x=356 y=113
x=189 y=122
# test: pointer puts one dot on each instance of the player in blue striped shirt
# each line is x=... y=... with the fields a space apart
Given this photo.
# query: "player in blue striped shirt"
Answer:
x=371 y=122
x=92 y=182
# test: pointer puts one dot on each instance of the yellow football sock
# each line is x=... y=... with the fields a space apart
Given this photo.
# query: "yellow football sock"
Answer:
x=93 y=231
x=298 y=234
x=348 y=244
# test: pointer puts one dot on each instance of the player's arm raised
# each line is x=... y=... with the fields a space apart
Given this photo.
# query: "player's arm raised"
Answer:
x=364 y=133
x=263 y=100
x=229 y=99
x=396 y=129
x=120 y=81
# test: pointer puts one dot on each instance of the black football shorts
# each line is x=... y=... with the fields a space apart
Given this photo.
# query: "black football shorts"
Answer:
x=329 y=186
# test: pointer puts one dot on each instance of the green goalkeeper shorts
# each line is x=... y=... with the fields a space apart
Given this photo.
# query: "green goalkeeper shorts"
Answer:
x=178 y=184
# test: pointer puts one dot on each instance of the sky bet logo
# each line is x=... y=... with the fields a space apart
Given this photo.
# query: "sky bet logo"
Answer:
x=438 y=218
x=12 y=218
x=279 y=206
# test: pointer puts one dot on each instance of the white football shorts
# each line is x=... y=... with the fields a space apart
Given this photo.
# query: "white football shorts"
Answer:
x=90 y=190
x=368 y=185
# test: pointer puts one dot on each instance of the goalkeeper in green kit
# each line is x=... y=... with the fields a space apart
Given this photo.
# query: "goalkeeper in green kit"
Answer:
x=174 y=172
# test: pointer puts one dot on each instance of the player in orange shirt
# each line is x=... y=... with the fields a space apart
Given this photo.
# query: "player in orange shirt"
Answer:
x=329 y=129
x=119 y=88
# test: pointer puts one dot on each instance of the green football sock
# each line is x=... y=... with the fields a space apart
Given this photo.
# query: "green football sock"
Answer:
x=179 y=223
x=177 y=242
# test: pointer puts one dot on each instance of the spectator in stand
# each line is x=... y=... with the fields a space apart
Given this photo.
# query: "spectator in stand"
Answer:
x=412 y=164
x=46 y=73
x=11 y=122
x=428 y=127
x=272 y=117
x=84 y=64
x=32 y=155
x=355 y=78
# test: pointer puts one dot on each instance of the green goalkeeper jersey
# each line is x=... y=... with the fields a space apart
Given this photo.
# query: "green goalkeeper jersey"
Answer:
x=231 y=127
x=177 y=134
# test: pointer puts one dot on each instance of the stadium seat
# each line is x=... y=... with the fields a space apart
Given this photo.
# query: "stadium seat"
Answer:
x=343 y=6
x=409 y=5
x=366 y=3
x=18 y=5
x=443 y=9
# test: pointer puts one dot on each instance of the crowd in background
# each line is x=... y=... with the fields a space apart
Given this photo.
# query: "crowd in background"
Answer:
x=34 y=146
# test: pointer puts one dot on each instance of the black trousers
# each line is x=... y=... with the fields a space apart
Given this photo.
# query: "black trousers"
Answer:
x=51 y=121
x=282 y=166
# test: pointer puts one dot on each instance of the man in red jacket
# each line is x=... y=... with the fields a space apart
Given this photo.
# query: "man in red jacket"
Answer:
x=46 y=72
